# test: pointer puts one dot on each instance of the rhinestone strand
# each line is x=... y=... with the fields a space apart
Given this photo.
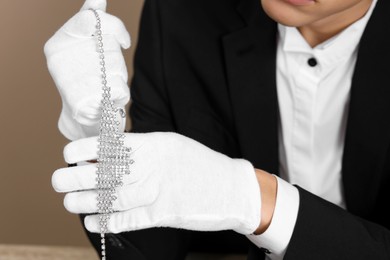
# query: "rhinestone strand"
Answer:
x=113 y=157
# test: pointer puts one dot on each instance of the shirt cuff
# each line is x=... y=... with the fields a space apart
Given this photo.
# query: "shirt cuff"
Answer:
x=274 y=241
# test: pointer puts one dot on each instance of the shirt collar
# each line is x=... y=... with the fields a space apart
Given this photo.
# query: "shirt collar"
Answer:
x=339 y=47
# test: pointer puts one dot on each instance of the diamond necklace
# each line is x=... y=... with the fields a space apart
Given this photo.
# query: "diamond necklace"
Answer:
x=113 y=157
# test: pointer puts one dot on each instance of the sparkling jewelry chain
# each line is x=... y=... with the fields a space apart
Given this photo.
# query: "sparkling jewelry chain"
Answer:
x=113 y=157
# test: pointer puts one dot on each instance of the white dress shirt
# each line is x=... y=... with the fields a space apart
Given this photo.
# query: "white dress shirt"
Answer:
x=313 y=86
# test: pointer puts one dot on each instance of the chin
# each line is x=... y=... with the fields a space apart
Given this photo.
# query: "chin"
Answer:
x=284 y=13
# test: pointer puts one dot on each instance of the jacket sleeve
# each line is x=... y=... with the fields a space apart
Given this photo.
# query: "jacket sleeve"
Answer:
x=150 y=109
x=326 y=231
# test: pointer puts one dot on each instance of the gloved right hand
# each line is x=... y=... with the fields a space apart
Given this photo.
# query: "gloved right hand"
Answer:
x=175 y=182
x=74 y=65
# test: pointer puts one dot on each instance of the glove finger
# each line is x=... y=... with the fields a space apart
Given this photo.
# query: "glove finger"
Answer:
x=86 y=149
x=120 y=92
x=88 y=111
x=81 y=150
x=81 y=202
x=129 y=197
x=135 y=219
x=75 y=178
x=95 y=4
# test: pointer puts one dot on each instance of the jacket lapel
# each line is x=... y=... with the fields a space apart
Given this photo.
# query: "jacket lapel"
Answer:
x=250 y=55
x=368 y=128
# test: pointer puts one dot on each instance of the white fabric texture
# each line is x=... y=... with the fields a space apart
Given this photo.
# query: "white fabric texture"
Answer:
x=74 y=65
x=313 y=105
x=174 y=182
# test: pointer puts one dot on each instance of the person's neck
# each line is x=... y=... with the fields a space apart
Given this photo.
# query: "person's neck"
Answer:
x=322 y=30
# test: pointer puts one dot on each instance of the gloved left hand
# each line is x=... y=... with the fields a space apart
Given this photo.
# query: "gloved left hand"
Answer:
x=174 y=182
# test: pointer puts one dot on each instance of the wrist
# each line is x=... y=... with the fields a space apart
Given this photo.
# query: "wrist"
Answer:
x=268 y=188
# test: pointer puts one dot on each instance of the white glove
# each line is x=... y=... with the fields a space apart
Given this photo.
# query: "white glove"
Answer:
x=74 y=65
x=174 y=182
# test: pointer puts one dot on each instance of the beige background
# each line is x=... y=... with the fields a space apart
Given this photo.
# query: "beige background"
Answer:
x=30 y=143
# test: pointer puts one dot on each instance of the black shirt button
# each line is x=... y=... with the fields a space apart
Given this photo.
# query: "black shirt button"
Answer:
x=312 y=62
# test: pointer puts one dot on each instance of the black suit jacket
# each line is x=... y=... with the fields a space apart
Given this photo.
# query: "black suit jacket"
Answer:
x=206 y=69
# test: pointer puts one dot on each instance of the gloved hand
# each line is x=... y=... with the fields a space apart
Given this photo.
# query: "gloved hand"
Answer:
x=174 y=182
x=74 y=65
